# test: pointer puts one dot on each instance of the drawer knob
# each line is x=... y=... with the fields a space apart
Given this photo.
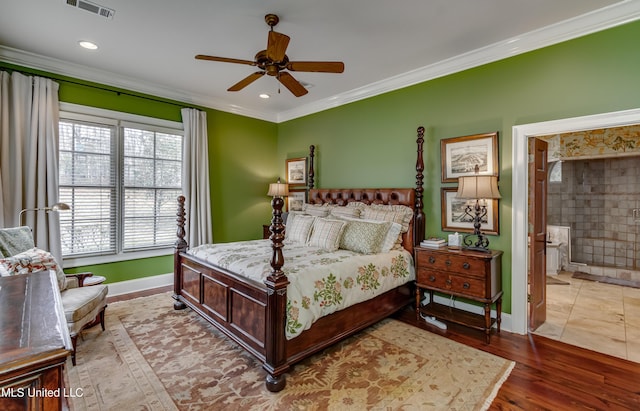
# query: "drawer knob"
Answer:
x=432 y=278
x=432 y=259
x=466 y=266
x=448 y=262
x=448 y=281
x=466 y=286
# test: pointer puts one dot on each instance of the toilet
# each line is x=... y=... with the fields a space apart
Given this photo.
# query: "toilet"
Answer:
x=553 y=258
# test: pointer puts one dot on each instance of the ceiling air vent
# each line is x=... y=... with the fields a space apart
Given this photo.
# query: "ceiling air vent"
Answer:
x=92 y=8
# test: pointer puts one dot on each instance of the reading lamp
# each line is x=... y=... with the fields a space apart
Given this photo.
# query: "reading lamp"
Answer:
x=55 y=207
x=478 y=188
x=277 y=191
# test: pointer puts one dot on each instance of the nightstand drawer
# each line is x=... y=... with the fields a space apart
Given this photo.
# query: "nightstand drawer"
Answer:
x=452 y=263
x=430 y=278
x=470 y=286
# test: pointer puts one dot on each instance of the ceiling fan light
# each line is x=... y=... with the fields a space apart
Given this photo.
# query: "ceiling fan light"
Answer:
x=88 y=45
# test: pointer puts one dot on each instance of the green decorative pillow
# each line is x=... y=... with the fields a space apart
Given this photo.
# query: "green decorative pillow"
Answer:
x=30 y=261
x=298 y=230
x=364 y=237
x=326 y=234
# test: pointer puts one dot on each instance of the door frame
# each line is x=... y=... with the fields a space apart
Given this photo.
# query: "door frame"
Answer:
x=520 y=195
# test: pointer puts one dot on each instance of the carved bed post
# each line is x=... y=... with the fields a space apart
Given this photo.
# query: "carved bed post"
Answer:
x=276 y=316
x=180 y=247
x=419 y=217
x=312 y=150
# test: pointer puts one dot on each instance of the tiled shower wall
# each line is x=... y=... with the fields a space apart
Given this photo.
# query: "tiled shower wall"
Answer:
x=597 y=199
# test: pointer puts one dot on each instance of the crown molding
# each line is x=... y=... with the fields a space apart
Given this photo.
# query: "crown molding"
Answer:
x=602 y=19
x=588 y=23
x=67 y=69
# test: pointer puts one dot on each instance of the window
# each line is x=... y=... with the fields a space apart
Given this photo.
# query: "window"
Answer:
x=121 y=179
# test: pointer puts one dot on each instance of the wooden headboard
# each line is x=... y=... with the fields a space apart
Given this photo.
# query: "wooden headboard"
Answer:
x=343 y=196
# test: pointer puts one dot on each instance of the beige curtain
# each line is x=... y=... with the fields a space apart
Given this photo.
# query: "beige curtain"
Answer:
x=29 y=156
x=195 y=177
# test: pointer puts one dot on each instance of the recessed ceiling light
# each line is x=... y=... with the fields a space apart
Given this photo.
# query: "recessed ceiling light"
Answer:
x=88 y=45
x=264 y=95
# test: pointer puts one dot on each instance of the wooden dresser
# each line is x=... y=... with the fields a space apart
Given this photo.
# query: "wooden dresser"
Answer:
x=34 y=343
x=471 y=275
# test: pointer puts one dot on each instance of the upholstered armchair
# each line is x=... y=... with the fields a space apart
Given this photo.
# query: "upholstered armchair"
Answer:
x=84 y=306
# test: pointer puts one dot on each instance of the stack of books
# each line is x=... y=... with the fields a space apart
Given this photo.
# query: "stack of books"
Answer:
x=433 y=242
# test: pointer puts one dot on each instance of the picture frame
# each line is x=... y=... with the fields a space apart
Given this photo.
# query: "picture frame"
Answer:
x=296 y=172
x=460 y=155
x=296 y=199
x=453 y=217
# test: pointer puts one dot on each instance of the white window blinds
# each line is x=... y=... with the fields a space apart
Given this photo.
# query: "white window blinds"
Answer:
x=121 y=180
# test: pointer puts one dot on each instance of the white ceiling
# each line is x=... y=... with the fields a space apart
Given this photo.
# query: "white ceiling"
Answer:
x=149 y=45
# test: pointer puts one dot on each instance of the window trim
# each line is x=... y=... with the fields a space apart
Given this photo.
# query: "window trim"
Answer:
x=92 y=114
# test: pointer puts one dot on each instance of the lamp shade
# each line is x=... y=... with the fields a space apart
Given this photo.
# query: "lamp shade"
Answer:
x=478 y=187
x=60 y=206
x=278 y=189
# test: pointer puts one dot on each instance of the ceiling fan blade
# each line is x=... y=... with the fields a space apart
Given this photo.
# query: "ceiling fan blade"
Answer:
x=292 y=84
x=317 y=66
x=277 y=46
x=246 y=81
x=225 y=60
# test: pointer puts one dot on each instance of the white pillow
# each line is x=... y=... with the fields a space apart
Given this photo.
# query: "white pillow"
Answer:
x=326 y=233
x=397 y=214
x=351 y=212
x=299 y=229
x=315 y=210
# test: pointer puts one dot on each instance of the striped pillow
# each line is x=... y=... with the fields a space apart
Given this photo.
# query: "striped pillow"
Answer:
x=351 y=212
x=397 y=214
x=315 y=210
x=326 y=234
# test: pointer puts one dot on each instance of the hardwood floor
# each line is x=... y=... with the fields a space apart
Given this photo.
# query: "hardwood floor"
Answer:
x=549 y=375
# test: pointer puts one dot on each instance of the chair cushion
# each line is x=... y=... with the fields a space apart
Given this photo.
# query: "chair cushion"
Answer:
x=32 y=260
x=78 y=302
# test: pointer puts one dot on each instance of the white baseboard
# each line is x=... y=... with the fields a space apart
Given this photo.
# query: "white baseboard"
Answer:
x=505 y=325
x=140 y=284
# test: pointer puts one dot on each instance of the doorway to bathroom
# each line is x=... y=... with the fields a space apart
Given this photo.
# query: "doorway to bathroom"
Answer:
x=592 y=280
x=521 y=134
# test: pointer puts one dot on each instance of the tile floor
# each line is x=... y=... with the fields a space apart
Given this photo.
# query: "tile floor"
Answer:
x=599 y=317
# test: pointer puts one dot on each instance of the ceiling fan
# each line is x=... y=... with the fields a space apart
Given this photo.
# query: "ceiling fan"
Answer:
x=273 y=61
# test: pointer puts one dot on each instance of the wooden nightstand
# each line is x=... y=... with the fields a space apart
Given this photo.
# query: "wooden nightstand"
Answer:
x=473 y=275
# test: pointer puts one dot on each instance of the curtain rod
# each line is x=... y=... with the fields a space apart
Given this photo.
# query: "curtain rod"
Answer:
x=103 y=88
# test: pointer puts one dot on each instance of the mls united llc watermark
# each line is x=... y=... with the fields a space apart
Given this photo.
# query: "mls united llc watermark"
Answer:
x=30 y=392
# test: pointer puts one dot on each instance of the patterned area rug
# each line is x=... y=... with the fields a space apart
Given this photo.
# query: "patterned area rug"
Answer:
x=152 y=357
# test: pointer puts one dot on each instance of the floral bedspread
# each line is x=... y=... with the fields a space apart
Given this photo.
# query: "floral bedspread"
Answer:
x=321 y=282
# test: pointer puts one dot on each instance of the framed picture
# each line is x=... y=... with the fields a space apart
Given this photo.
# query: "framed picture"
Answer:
x=296 y=199
x=297 y=172
x=460 y=155
x=453 y=217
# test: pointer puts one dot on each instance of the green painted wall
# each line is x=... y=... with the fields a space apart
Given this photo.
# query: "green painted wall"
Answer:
x=372 y=142
x=241 y=153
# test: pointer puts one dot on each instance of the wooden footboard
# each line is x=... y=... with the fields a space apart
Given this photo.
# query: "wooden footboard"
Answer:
x=254 y=314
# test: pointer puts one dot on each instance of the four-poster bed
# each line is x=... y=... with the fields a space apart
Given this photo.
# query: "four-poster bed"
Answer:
x=253 y=313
